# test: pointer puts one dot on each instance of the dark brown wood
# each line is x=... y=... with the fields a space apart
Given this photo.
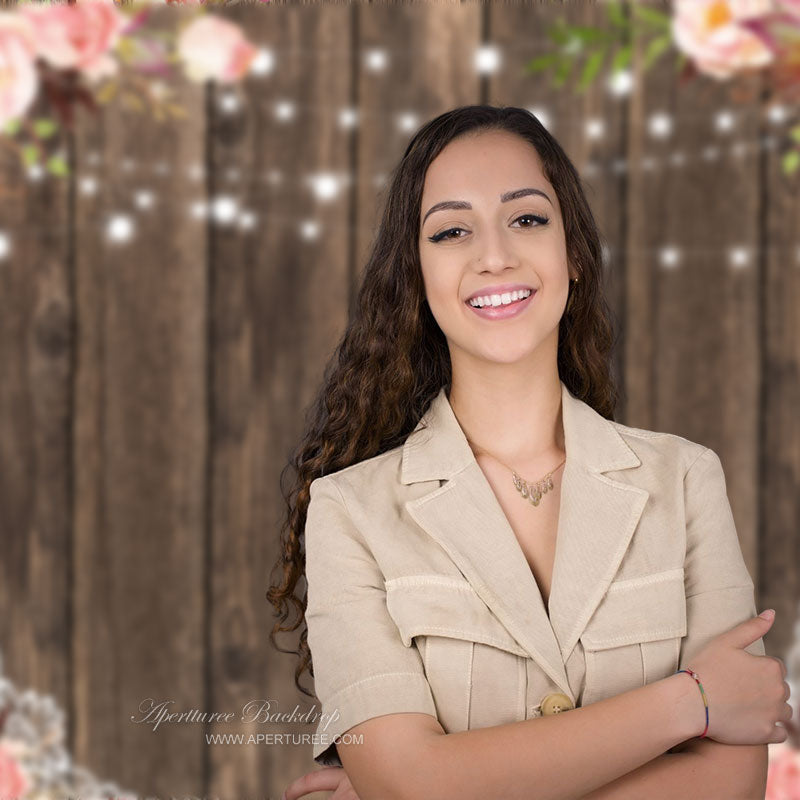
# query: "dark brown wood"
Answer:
x=140 y=423
x=153 y=389
x=778 y=401
x=36 y=415
x=278 y=303
x=692 y=328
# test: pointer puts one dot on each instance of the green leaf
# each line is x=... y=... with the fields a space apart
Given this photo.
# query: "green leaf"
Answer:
x=651 y=15
x=558 y=33
x=615 y=15
x=56 y=165
x=11 y=128
x=622 y=58
x=795 y=133
x=790 y=161
x=563 y=71
x=44 y=128
x=587 y=34
x=655 y=50
x=591 y=68
x=542 y=62
x=30 y=154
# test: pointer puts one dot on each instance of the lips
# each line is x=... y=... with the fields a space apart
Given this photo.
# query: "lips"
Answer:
x=500 y=289
x=503 y=311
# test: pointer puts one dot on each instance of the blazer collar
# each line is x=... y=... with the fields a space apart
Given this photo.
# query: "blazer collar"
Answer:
x=597 y=517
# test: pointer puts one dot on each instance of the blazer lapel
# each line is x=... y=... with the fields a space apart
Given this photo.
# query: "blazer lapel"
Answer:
x=597 y=518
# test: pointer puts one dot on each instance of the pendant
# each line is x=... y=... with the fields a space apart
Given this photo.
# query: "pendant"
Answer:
x=533 y=492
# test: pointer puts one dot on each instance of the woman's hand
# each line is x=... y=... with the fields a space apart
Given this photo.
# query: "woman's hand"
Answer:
x=328 y=779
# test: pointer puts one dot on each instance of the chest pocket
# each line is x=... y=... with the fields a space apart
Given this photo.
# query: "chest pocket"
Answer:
x=634 y=636
x=475 y=668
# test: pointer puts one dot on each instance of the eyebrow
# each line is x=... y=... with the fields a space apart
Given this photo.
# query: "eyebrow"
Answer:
x=460 y=205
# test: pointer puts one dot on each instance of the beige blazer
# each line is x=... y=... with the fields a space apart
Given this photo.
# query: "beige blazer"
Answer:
x=420 y=597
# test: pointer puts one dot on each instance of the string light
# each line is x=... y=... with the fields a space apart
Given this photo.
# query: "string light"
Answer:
x=88 y=185
x=263 y=63
x=196 y=172
x=144 y=199
x=594 y=128
x=376 y=59
x=620 y=83
x=777 y=114
x=5 y=245
x=228 y=103
x=724 y=121
x=407 y=122
x=659 y=125
x=348 y=118
x=542 y=115
x=224 y=209
x=309 y=229
x=247 y=221
x=284 y=110
x=325 y=185
x=738 y=257
x=120 y=228
x=487 y=59
x=669 y=256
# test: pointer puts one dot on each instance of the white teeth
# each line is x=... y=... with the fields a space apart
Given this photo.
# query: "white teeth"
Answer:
x=499 y=299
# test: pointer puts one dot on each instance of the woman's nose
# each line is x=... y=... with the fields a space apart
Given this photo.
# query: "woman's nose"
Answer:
x=495 y=252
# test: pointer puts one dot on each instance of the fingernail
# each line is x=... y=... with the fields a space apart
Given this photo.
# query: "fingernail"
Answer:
x=768 y=614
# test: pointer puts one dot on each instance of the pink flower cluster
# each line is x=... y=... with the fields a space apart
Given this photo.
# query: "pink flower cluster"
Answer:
x=13 y=782
x=783 y=777
x=723 y=37
x=82 y=37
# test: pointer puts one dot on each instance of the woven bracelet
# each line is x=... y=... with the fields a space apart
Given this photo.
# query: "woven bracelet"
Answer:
x=696 y=677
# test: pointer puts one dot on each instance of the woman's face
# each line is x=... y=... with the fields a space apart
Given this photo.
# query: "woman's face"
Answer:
x=491 y=245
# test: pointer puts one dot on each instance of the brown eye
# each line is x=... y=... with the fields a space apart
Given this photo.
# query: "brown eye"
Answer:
x=444 y=235
x=540 y=219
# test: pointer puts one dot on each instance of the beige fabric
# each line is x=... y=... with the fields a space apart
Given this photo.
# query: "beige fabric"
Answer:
x=420 y=597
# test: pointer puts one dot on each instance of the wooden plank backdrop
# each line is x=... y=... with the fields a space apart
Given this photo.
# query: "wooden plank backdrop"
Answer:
x=153 y=389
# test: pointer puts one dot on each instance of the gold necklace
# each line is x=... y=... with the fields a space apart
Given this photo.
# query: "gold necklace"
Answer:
x=531 y=491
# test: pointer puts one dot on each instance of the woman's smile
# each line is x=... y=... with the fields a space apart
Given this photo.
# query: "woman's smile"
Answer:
x=500 y=308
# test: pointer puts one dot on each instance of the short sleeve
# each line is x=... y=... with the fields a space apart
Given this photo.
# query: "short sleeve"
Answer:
x=719 y=589
x=362 y=669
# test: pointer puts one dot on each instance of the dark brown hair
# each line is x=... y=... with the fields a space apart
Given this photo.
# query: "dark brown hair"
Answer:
x=392 y=358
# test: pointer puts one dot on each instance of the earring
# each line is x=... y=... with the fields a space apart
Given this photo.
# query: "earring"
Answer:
x=574 y=282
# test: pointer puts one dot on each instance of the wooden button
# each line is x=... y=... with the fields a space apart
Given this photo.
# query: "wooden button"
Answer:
x=556 y=703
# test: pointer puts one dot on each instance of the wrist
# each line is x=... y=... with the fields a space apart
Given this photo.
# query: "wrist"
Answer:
x=686 y=700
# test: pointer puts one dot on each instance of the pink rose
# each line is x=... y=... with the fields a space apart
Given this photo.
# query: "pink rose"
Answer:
x=708 y=31
x=19 y=80
x=790 y=7
x=12 y=780
x=78 y=36
x=212 y=48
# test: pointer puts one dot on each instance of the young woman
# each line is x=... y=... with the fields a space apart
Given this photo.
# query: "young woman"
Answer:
x=485 y=548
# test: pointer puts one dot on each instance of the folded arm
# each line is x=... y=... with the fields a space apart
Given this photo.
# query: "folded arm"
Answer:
x=699 y=769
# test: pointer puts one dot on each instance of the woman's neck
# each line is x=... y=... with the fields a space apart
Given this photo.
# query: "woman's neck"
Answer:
x=518 y=425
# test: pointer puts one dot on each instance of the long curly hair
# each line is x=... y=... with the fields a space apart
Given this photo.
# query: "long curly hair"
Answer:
x=392 y=359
